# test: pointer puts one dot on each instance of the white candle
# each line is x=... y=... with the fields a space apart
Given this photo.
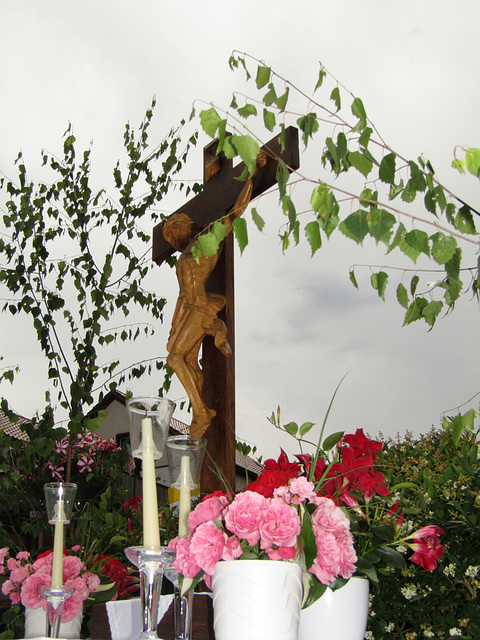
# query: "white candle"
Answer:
x=151 y=533
x=184 y=506
x=57 y=564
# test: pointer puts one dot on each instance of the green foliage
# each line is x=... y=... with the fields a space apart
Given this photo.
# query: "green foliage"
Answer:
x=337 y=127
x=74 y=261
x=437 y=478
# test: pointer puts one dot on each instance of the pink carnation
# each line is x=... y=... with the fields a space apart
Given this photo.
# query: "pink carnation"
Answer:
x=208 y=545
x=244 y=514
x=209 y=509
x=280 y=525
x=335 y=551
x=3 y=553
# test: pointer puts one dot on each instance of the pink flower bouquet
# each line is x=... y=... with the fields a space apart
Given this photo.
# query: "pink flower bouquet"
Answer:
x=332 y=513
x=25 y=577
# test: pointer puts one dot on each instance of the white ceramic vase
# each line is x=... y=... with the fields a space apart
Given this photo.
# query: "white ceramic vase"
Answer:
x=36 y=624
x=337 y=614
x=256 y=599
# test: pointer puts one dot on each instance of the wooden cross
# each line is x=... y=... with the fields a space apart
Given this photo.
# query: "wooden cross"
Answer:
x=221 y=189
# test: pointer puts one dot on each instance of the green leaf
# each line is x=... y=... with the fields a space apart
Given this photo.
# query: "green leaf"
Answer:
x=443 y=247
x=263 y=76
x=332 y=440
x=380 y=225
x=431 y=311
x=240 y=231
x=392 y=556
x=418 y=240
x=321 y=75
x=355 y=226
x=387 y=169
x=312 y=231
x=291 y=428
x=414 y=311
x=308 y=125
x=247 y=110
x=282 y=177
x=335 y=96
x=248 y=149
x=471 y=162
x=402 y=296
x=360 y=161
x=210 y=121
x=464 y=220
x=209 y=243
x=379 y=283
x=257 y=219
x=358 y=110
x=269 y=119
x=305 y=428
x=353 y=279
x=282 y=100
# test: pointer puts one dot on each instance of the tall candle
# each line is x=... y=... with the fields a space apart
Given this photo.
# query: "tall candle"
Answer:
x=57 y=565
x=184 y=506
x=151 y=533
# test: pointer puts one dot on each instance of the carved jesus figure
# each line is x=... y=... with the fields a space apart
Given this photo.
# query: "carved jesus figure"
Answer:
x=196 y=310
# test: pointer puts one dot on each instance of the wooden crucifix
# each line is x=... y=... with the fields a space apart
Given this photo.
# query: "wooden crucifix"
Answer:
x=223 y=193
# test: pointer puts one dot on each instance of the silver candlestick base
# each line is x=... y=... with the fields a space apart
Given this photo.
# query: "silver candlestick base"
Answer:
x=56 y=599
x=150 y=564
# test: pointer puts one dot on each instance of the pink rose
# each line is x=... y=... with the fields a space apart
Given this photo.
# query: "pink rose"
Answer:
x=185 y=562
x=280 y=525
x=302 y=490
x=208 y=510
x=73 y=605
x=29 y=593
x=71 y=567
x=233 y=549
x=244 y=514
x=208 y=545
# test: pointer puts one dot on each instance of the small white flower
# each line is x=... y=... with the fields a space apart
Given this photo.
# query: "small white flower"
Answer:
x=402 y=548
x=449 y=570
x=471 y=571
x=455 y=631
x=368 y=635
x=428 y=633
x=409 y=591
x=390 y=627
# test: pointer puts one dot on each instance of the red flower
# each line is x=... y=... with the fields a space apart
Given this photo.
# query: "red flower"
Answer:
x=361 y=444
x=274 y=475
x=133 y=502
x=427 y=547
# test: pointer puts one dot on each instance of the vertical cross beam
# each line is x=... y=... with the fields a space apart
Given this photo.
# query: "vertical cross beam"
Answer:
x=221 y=189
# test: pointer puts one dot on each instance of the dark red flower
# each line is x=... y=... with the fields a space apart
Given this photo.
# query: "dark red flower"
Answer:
x=133 y=502
x=427 y=547
x=361 y=444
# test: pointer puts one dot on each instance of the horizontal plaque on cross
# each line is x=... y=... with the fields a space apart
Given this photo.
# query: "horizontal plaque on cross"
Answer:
x=222 y=192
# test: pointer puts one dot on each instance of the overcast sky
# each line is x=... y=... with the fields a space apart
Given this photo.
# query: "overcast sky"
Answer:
x=300 y=324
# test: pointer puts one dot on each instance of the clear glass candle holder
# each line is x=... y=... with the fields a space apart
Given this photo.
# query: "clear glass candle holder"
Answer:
x=59 y=501
x=159 y=411
x=182 y=446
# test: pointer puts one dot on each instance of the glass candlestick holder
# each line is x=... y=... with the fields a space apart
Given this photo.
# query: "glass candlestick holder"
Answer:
x=159 y=411
x=150 y=564
x=182 y=604
x=182 y=446
x=59 y=501
x=55 y=600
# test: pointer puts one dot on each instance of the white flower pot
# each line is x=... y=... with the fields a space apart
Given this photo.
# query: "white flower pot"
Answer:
x=36 y=624
x=337 y=614
x=256 y=599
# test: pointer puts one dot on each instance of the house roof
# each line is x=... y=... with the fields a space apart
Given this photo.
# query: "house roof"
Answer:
x=13 y=428
x=245 y=462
